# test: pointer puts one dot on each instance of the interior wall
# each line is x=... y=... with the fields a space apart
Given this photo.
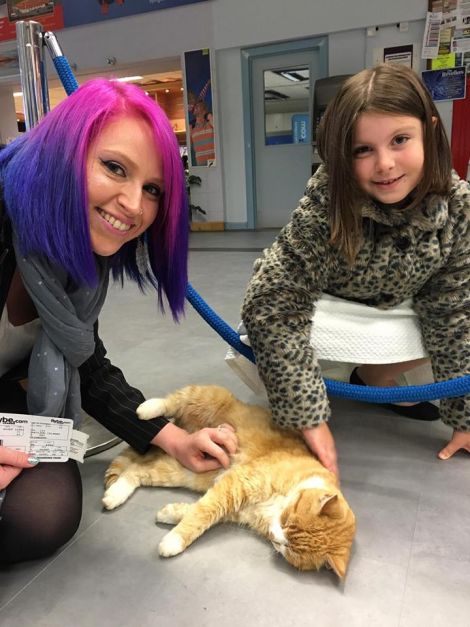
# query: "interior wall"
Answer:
x=226 y=27
x=248 y=22
x=139 y=38
x=8 y=123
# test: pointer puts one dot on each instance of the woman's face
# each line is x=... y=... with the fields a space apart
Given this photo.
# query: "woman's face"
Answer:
x=124 y=183
x=388 y=155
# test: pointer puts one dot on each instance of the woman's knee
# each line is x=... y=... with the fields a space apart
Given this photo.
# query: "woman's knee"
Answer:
x=41 y=512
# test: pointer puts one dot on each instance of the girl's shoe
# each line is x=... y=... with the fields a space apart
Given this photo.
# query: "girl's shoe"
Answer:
x=420 y=411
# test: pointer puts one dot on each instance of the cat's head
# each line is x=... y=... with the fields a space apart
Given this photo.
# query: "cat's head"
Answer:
x=316 y=528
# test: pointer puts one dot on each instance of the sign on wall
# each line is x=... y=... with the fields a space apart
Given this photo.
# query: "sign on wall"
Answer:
x=447 y=84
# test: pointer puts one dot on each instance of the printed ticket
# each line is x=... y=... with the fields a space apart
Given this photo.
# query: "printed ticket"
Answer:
x=48 y=439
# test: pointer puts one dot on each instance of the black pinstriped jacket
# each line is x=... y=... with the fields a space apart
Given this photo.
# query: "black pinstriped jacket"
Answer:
x=106 y=395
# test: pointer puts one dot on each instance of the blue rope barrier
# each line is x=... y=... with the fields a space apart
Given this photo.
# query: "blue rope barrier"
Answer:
x=369 y=394
x=65 y=73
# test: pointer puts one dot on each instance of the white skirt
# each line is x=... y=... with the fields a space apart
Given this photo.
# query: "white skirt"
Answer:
x=343 y=330
x=349 y=333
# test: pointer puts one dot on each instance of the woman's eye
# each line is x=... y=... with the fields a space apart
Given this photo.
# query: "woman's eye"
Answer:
x=114 y=167
x=153 y=190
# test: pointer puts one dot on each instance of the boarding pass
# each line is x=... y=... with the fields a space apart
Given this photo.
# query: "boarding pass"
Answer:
x=47 y=439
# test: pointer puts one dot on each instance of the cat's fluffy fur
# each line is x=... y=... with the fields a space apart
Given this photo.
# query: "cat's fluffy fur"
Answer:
x=274 y=484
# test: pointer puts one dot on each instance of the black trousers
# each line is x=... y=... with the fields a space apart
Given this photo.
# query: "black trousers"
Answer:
x=42 y=507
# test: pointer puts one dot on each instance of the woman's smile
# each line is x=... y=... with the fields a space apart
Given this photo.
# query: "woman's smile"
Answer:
x=124 y=184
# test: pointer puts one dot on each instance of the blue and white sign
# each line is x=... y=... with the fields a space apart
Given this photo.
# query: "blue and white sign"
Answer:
x=301 y=128
x=445 y=84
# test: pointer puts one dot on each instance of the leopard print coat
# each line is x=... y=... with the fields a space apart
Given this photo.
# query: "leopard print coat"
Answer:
x=421 y=253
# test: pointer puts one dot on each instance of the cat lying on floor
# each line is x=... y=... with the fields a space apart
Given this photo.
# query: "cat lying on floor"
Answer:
x=274 y=484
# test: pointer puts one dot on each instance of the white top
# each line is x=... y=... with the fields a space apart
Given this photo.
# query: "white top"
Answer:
x=15 y=342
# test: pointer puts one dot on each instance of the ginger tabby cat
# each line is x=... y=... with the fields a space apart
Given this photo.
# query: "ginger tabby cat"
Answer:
x=274 y=485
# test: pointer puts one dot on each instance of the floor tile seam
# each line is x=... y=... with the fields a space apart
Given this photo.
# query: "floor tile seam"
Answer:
x=455 y=558
x=49 y=564
x=410 y=557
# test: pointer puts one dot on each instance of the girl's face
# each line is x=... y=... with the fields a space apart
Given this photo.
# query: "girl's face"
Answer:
x=124 y=183
x=388 y=155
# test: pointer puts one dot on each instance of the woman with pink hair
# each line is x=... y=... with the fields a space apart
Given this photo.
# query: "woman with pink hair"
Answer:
x=96 y=188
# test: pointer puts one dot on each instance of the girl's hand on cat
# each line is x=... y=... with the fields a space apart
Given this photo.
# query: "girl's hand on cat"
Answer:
x=206 y=449
x=12 y=463
x=460 y=441
x=321 y=442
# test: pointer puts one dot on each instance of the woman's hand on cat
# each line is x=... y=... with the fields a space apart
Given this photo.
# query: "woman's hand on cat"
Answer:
x=12 y=463
x=206 y=449
x=460 y=441
x=321 y=442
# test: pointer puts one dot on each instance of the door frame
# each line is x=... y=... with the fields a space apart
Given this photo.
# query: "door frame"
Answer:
x=248 y=55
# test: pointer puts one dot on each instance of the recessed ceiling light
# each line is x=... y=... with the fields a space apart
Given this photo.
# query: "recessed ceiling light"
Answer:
x=125 y=79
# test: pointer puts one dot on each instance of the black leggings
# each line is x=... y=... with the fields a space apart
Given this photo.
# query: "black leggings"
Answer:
x=42 y=507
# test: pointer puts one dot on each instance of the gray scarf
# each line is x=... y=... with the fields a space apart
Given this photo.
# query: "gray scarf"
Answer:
x=66 y=340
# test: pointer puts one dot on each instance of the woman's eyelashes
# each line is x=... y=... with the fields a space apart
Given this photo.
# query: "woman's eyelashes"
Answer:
x=154 y=190
x=114 y=167
x=117 y=169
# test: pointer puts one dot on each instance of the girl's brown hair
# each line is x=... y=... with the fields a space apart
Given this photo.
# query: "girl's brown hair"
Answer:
x=386 y=88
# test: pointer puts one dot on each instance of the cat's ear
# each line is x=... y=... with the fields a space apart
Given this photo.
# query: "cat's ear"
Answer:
x=330 y=506
x=338 y=563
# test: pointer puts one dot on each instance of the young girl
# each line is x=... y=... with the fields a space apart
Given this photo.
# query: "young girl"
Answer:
x=384 y=219
x=98 y=185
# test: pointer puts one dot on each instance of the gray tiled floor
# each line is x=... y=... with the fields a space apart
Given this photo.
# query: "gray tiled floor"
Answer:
x=411 y=561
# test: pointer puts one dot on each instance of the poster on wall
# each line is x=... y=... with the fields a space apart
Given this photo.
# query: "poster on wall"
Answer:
x=446 y=84
x=57 y=14
x=402 y=55
x=198 y=93
x=447 y=28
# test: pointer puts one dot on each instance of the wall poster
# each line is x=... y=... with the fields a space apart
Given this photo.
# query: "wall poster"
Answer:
x=198 y=93
x=446 y=84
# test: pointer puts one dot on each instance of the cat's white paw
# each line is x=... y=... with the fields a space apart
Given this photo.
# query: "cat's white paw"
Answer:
x=172 y=544
x=118 y=493
x=171 y=514
x=152 y=408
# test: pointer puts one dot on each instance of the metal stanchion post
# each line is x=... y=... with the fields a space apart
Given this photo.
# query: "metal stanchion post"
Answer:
x=33 y=76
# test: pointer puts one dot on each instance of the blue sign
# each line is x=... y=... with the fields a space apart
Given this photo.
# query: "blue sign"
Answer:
x=445 y=84
x=77 y=12
x=301 y=128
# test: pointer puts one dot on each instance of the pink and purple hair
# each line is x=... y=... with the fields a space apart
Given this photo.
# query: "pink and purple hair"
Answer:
x=43 y=175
